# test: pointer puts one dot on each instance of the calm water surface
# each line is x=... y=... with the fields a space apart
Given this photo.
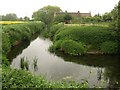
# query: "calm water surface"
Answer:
x=100 y=71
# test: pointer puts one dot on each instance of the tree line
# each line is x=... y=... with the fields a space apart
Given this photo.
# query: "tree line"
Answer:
x=13 y=17
x=46 y=15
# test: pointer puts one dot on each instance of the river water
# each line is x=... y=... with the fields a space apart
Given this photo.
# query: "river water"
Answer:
x=102 y=71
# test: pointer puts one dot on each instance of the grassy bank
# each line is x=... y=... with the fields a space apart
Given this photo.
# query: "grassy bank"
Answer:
x=93 y=38
x=13 y=34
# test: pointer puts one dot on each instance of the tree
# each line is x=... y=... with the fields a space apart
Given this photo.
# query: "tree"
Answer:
x=107 y=17
x=20 y=19
x=97 y=18
x=114 y=13
x=59 y=18
x=116 y=23
x=26 y=18
x=10 y=17
x=118 y=27
x=67 y=18
x=46 y=14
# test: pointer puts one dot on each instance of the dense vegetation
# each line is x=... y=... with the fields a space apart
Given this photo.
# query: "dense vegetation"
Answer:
x=13 y=78
x=73 y=40
x=95 y=38
x=15 y=33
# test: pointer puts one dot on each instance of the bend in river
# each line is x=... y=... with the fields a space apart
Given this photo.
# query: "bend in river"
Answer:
x=100 y=71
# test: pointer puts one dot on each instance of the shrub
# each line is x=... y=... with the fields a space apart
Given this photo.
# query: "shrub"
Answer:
x=18 y=32
x=6 y=45
x=54 y=29
x=72 y=47
x=90 y=35
x=56 y=46
x=13 y=78
x=109 y=47
x=5 y=61
x=69 y=46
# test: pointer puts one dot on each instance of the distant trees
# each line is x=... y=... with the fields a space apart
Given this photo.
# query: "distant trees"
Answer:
x=66 y=18
x=59 y=18
x=107 y=17
x=46 y=14
x=9 y=17
x=26 y=18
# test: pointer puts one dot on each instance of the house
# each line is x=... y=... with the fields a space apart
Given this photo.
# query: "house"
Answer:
x=76 y=16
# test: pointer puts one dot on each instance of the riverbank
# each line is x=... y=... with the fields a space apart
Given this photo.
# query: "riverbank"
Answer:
x=78 y=40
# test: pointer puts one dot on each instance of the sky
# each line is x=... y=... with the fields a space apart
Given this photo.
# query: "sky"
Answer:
x=27 y=7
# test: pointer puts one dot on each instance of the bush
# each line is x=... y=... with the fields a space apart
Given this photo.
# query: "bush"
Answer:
x=69 y=46
x=90 y=35
x=13 y=78
x=54 y=29
x=109 y=47
x=6 y=45
x=72 y=47
x=56 y=46
x=18 y=32
x=5 y=61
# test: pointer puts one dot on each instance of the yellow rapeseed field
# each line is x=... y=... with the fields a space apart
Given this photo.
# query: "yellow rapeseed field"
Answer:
x=11 y=22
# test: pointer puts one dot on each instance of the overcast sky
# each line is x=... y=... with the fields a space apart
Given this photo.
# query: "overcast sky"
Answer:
x=27 y=7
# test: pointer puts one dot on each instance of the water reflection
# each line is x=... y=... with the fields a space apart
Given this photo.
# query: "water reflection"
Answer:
x=100 y=71
x=16 y=50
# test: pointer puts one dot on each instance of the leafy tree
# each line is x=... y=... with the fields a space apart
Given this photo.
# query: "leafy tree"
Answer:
x=97 y=18
x=59 y=18
x=20 y=19
x=46 y=14
x=107 y=17
x=10 y=17
x=115 y=13
x=67 y=18
x=118 y=27
x=26 y=18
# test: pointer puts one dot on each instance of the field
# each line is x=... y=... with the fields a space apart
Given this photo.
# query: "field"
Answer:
x=11 y=22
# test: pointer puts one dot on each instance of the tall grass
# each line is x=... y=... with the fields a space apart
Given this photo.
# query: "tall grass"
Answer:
x=24 y=64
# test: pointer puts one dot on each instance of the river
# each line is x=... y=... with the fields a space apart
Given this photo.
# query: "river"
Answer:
x=102 y=71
